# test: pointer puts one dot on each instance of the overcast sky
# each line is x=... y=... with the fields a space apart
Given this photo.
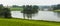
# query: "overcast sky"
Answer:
x=29 y=2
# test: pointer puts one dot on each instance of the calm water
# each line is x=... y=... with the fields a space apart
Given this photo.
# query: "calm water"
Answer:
x=42 y=15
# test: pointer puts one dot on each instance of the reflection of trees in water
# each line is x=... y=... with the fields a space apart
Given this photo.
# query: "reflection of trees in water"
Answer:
x=57 y=13
x=29 y=11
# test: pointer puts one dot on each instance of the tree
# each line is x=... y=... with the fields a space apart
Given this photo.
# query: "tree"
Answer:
x=56 y=7
x=35 y=9
x=23 y=11
x=6 y=13
x=28 y=10
x=1 y=7
x=16 y=6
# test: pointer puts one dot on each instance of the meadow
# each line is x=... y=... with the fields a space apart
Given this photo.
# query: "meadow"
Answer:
x=16 y=9
x=26 y=22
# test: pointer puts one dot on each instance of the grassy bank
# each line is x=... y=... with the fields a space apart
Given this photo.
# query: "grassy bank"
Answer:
x=22 y=22
x=57 y=10
x=16 y=9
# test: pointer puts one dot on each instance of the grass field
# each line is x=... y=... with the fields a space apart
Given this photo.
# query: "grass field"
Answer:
x=57 y=10
x=22 y=22
x=16 y=9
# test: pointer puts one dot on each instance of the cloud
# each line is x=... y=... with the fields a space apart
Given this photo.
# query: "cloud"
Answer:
x=29 y=2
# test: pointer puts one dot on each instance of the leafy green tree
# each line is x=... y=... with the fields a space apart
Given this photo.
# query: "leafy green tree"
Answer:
x=28 y=10
x=6 y=13
x=35 y=9
x=15 y=6
x=1 y=7
x=57 y=7
x=23 y=11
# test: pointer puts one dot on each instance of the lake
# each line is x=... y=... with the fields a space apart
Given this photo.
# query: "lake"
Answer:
x=42 y=15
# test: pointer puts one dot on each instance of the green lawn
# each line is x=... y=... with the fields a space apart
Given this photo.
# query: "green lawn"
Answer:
x=22 y=22
x=16 y=9
x=57 y=10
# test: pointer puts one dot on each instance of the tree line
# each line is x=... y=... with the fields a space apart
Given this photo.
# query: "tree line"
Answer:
x=56 y=7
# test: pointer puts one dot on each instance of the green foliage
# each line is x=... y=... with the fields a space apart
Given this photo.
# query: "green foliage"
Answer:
x=57 y=7
x=15 y=6
x=5 y=12
x=1 y=6
x=16 y=9
x=29 y=10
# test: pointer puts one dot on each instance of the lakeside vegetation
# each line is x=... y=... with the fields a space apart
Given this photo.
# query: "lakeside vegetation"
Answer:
x=16 y=9
x=57 y=10
x=25 y=22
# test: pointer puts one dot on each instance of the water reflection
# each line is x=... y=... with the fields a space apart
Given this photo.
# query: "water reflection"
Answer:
x=57 y=14
x=42 y=15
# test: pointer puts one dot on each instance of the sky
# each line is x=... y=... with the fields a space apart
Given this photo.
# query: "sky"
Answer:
x=29 y=2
